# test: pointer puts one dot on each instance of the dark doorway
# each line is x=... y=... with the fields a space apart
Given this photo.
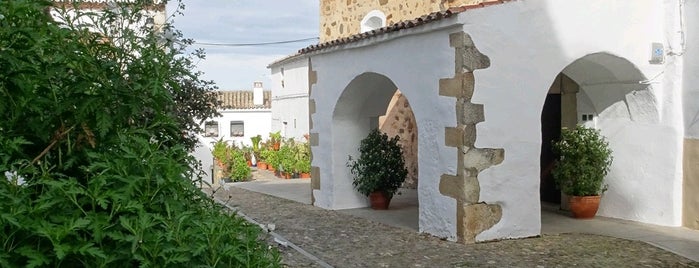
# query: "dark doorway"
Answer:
x=550 y=131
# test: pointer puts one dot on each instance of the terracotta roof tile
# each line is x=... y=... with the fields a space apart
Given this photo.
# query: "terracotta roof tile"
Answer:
x=243 y=99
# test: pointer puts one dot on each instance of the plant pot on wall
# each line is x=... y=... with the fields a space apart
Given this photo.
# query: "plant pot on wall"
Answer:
x=584 y=207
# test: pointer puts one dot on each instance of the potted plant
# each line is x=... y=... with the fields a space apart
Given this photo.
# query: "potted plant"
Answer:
x=275 y=140
x=584 y=160
x=239 y=170
x=303 y=160
x=380 y=168
x=256 y=142
x=261 y=158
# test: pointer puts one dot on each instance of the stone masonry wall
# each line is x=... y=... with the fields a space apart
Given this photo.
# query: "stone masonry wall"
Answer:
x=399 y=120
x=342 y=18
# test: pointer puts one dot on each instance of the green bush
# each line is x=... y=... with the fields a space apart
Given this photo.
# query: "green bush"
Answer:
x=584 y=160
x=239 y=169
x=93 y=146
x=380 y=165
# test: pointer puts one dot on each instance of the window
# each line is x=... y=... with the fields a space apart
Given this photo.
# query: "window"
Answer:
x=211 y=129
x=373 y=20
x=588 y=117
x=237 y=129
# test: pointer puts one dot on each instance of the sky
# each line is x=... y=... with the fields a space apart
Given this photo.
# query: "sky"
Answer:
x=246 y=21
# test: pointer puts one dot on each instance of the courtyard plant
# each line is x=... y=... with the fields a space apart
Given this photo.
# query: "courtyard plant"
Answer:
x=380 y=169
x=584 y=161
x=95 y=169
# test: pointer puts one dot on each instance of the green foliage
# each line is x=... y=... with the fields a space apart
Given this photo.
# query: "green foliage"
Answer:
x=239 y=169
x=220 y=151
x=303 y=157
x=93 y=124
x=256 y=142
x=584 y=160
x=380 y=166
x=286 y=155
x=273 y=158
x=275 y=137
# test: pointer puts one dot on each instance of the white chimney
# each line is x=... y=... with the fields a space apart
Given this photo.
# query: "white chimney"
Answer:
x=257 y=94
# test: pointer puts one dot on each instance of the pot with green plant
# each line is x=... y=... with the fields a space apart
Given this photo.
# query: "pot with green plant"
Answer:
x=584 y=161
x=303 y=160
x=275 y=140
x=380 y=168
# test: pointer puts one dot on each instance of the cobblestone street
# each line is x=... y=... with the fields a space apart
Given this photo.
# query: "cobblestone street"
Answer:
x=346 y=241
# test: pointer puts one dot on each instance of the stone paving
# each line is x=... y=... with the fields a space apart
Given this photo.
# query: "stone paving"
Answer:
x=346 y=241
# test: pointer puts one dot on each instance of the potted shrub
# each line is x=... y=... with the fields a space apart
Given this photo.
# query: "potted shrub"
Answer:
x=584 y=160
x=261 y=158
x=287 y=162
x=239 y=169
x=303 y=160
x=275 y=140
x=380 y=168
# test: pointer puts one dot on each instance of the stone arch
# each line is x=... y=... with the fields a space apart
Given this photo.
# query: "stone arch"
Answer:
x=365 y=99
x=609 y=93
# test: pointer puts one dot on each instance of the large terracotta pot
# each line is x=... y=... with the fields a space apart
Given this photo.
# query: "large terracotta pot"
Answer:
x=261 y=165
x=379 y=200
x=305 y=175
x=584 y=207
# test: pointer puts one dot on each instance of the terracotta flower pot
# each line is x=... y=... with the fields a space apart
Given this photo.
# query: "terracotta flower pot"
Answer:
x=261 y=165
x=287 y=175
x=305 y=175
x=379 y=200
x=584 y=207
x=249 y=163
x=276 y=146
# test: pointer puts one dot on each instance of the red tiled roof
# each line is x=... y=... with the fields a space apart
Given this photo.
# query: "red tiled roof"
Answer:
x=402 y=25
x=243 y=99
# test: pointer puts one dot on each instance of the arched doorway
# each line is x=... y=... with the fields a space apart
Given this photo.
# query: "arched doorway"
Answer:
x=369 y=101
x=609 y=93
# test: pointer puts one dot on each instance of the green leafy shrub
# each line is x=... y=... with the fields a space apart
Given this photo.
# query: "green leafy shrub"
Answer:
x=239 y=169
x=94 y=129
x=380 y=165
x=584 y=160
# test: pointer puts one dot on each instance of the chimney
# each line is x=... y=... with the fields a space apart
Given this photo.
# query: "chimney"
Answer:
x=258 y=95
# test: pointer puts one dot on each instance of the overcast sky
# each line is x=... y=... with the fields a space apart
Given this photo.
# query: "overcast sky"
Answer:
x=246 y=21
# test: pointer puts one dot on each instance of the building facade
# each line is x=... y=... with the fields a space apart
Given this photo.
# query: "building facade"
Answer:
x=491 y=84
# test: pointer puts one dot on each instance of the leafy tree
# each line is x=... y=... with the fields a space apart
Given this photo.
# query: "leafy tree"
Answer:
x=99 y=111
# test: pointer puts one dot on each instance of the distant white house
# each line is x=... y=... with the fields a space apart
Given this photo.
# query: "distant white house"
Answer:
x=290 y=98
x=244 y=114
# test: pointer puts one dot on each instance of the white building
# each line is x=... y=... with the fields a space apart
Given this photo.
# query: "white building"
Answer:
x=290 y=98
x=244 y=114
x=489 y=84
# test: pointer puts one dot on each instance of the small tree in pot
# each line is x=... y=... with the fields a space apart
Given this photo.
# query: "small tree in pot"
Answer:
x=380 y=169
x=584 y=160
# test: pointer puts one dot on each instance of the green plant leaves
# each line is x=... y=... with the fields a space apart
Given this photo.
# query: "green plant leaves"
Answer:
x=380 y=165
x=584 y=161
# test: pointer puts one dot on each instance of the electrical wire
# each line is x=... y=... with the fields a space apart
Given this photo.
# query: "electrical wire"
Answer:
x=255 y=44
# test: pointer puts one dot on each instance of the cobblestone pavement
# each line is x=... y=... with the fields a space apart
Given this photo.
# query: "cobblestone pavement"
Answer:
x=346 y=241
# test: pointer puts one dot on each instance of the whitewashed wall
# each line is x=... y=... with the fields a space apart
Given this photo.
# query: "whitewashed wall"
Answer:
x=340 y=136
x=691 y=69
x=529 y=43
x=290 y=102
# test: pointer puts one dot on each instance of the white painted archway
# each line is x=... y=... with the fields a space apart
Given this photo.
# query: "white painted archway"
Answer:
x=356 y=113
